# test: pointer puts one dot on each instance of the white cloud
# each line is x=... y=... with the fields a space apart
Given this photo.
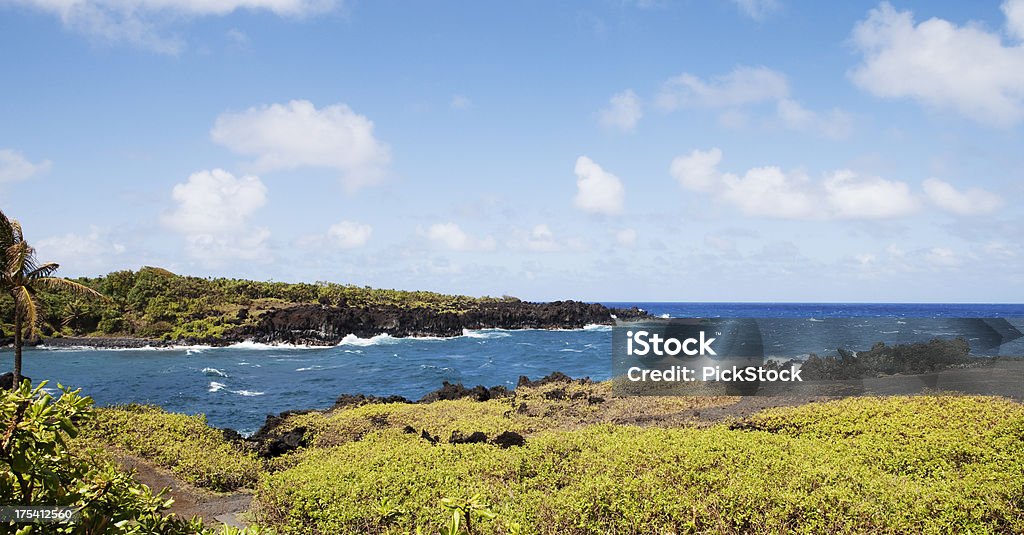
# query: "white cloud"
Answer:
x=771 y=192
x=974 y=201
x=349 y=234
x=742 y=86
x=597 y=191
x=1014 y=11
x=92 y=251
x=943 y=257
x=963 y=68
x=835 y=124
x=14 y=166
x=451 y=236
x=698 y=171
x=297 y=134
x=461 y=102
x=747 y=86
x=539 y=239
x=624 y=110
x=852 y=197
x=756 y=9
x=142 y=22
x=626 y=237
x=212 y=213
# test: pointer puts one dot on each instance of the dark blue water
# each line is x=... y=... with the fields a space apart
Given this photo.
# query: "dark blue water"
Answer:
x=238 y=386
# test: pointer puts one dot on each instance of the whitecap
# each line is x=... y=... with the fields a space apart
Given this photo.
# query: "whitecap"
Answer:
x=815 y=320
x=665 y=316
x=215 y=386
x=246 y=393
x=353 y=340
x=486 y=333
x=569 y=350
x=597 y=327
x=259 y=346
x=214 y=371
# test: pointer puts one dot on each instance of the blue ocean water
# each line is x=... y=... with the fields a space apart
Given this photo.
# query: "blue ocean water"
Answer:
x=238 y=386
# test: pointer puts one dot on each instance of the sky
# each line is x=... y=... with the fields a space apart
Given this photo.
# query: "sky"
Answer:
x=613 y=150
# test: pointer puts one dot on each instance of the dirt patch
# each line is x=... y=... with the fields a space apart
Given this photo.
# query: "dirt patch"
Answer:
x=189 y=501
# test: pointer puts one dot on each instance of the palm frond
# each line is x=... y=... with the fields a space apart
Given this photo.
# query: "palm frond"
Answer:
x=43 y=271
x=26 y=308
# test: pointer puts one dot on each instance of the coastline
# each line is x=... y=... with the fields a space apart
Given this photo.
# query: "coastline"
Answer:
x=128 y=343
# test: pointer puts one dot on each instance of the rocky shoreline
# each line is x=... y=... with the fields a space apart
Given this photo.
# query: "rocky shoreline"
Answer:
x=320 y=325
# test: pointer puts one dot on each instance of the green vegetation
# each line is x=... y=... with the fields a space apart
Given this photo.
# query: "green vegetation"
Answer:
x=155 y=303
x=22 y=277
x=912 y=465
x=186 y=445
x=922 y=464
x=40 y=464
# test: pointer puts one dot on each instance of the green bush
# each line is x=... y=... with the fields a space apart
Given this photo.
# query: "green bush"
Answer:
x=37 y=467
x=908 y=465
x=184 y=444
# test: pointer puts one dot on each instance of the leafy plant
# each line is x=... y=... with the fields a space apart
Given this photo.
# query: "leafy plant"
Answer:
x=37 y=467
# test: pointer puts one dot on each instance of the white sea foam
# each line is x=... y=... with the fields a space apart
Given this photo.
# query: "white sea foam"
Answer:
x=246 y=393
x=380 y=339
x=597 y=327
x=665 y=316
x=187 y=348
x=214 y=371
x=486 y=334
x=215 y=386
x=815 y=320
x=259 y=346
x=570 y=350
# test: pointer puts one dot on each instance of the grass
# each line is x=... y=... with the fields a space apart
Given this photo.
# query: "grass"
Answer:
x=868 y=465
x=195 y=452
x=922 y=464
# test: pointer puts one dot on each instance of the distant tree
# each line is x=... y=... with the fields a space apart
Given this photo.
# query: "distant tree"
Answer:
x=22 y=276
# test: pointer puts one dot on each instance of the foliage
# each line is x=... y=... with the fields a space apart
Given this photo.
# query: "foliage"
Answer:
x=37 y=467
x=156 y=303
x=185 y=444
x=935 y=464
x=528 y=410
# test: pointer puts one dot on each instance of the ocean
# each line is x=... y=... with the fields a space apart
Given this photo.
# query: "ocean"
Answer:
x=238 y=386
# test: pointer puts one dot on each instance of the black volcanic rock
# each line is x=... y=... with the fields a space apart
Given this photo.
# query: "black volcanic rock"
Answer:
x=509 y=439
x=477 y=437
x=553 y=377
x=7 y=380
x=449 y=391
x=328 y=325
x=357 y=400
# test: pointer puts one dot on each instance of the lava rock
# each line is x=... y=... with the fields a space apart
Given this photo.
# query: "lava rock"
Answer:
x=477 y=437
x=357 y=400
x=509 y=439
x=7 y=380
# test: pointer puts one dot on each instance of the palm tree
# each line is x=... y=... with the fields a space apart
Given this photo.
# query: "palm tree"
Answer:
x=21 y=276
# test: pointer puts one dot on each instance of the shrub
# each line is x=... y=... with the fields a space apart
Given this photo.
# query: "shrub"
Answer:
x=185 y=444
x=37 y=467
x=927 y=464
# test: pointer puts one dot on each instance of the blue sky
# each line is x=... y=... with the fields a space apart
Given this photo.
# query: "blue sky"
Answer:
x=749 y=150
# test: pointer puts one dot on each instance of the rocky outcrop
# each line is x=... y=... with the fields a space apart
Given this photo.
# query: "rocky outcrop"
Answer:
x=321 y=325
x=7 y=380
x=881 y=359
x=328 y=325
